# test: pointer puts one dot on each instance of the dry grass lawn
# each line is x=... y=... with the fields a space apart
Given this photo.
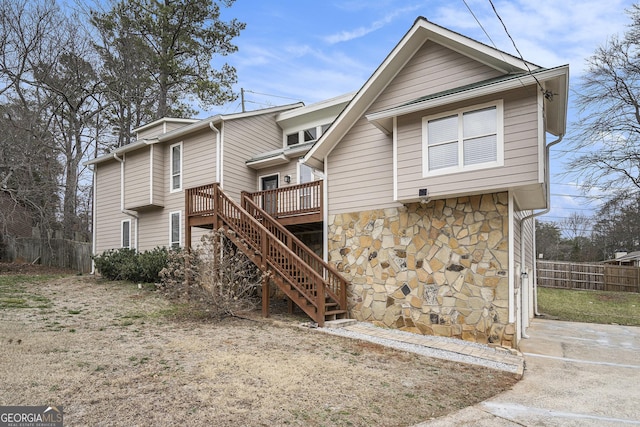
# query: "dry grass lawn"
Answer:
x=113 y=354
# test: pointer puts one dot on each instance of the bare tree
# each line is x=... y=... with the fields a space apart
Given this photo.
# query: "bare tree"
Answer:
x=29 y=168
x=49 y=106
x=69 y=78
x=609 y=127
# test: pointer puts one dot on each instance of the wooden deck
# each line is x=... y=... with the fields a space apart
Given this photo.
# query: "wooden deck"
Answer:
x=294 y=204
x=309 y=282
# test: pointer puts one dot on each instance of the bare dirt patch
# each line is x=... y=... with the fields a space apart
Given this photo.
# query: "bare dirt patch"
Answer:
x=113 y=354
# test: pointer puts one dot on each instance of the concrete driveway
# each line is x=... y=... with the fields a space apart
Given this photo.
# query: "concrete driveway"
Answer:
x=577 y=374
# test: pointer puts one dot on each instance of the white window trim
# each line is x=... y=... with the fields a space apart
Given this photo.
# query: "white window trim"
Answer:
x=122 y=233
x=499 y=105
x=171 y=189
x=179 y=242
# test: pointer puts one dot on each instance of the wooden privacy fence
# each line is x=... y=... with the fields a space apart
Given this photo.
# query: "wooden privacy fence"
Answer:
x=52 y=252
x=596 y=277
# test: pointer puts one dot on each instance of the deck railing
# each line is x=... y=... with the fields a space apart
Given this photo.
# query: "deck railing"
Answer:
x=293 y=200
x=200 y=200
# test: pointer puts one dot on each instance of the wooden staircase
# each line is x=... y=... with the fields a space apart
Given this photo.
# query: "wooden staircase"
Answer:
x=310 y=283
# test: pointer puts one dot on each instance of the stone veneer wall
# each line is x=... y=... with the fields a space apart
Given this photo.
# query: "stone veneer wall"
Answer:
x=439 y=268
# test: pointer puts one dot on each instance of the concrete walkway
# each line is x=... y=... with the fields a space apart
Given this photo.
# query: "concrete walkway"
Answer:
x=439 y=347
x=577 y=374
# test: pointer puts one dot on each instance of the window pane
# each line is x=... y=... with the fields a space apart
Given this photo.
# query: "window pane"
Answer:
x=293 y=139
x=175 y=166
x=310 y=134
x=443 y=130
x=175 y=229
x=480 y=150
x=126 y=234
x=479 y=123
x=443 y=156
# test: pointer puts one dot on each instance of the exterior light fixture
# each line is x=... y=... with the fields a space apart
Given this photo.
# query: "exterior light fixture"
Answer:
x=287 y=179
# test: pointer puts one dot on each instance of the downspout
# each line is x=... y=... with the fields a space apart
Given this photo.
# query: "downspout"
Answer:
x=547 y=177
x=93 y=222
x=122 y=209
x=218 y=153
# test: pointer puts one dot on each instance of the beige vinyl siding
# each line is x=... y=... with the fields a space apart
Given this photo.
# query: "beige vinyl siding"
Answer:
x=527 y=234
x=361 y=166
x=108 y=215
x=152 y=132
x=198 y=159
x=137 y=179
x=432 y=69
x=245 y=138
x=162 y=127
x=521 y=151
x=198 y=168
x=360 y=171
x=158 y=175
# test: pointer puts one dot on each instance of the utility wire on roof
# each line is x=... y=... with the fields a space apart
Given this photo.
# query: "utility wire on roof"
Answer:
x=486 y=33
x=547 y=94
x=478 y=21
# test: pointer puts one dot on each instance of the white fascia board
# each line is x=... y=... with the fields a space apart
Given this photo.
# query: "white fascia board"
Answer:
x=270 y=161
x=318 y=106
x=164 y=120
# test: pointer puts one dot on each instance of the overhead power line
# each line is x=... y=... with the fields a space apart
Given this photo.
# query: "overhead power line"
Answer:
x=546 y=93
x=479 y=24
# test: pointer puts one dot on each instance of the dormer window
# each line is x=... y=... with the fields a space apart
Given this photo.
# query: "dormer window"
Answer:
x=293 y=138
x=305 y=135
x=309 y=134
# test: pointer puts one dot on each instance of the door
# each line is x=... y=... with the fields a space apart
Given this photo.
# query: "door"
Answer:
x=270 y=199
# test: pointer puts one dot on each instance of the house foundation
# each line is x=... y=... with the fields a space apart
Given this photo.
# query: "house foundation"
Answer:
x=439 y=268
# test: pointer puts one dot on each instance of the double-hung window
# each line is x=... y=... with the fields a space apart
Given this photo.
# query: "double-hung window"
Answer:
x=465 y=139
x=176 y=167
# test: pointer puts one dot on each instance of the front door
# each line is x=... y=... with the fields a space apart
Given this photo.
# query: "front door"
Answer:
x=269 y=200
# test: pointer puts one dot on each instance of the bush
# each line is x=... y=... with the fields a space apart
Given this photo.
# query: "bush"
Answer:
x=128 y=264
x=216 y=275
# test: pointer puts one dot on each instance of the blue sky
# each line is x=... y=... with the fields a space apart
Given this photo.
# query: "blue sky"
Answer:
x=313 y=50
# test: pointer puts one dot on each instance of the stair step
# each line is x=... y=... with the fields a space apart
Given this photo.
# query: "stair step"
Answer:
x=332 y=312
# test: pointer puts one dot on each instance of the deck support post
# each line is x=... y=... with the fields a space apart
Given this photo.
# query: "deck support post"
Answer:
x=265 y=296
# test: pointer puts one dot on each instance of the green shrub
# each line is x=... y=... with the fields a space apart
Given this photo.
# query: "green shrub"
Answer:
x=128 y=264
x=150 y=263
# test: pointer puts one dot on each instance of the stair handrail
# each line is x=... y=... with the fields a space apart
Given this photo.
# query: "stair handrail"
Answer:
x=338 y=292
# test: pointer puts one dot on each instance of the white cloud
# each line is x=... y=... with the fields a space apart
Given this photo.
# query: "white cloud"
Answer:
x=547 y=32
x=362 y=31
